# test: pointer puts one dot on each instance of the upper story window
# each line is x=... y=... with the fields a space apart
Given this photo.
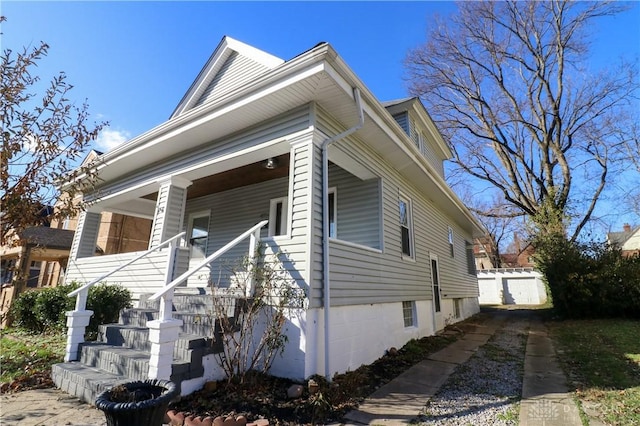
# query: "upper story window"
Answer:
x=278 y=217
x=406 y=226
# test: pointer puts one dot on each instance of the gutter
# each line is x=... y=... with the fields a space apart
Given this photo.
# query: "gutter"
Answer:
x=325 y=224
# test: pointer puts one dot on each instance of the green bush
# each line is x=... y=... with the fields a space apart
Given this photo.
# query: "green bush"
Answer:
x=106 y=302
x=51 y=306
x=21 y=312
x=46 y=309
x=589 y=279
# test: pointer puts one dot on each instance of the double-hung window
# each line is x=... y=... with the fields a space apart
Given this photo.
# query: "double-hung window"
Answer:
x=406 y=226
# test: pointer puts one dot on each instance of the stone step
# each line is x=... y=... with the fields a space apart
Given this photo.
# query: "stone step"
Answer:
x=135 y=337
x=192 y=323
x=134 y=364
x=83 y=381
x=193 y=303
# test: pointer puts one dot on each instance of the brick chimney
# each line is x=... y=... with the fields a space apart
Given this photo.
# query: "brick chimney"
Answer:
x=626 y=227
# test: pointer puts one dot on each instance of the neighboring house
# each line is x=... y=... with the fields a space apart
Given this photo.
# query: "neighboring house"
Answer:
x=628 y=240
x=249 y=142
x=483 y=253
x=38 y=254
x=521 y=254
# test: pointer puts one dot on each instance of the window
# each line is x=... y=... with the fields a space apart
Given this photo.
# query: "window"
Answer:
x=408 y=313
x=406 y=227
x=333 y=228
x=457 y=308
x=435 y=279
x=450 y=235
x=199 y=232
x=278 y=217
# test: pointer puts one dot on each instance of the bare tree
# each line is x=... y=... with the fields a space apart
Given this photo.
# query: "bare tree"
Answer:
x=43 y=137
x=507 y=83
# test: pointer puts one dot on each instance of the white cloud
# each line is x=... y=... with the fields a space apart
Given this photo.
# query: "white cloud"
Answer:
x=109 y=139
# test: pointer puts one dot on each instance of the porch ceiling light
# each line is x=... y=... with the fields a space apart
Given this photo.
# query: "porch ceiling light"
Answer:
x=270 y=163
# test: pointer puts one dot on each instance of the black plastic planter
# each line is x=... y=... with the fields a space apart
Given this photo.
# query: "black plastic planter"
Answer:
x=149 y=412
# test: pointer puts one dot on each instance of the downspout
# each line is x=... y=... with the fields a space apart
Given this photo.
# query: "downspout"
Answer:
x=325 y=224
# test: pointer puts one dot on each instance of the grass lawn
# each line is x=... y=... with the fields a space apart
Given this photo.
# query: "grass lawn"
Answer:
x=26 y=358
x=602 y=359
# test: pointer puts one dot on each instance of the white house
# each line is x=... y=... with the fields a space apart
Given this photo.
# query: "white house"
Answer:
x=258 y=138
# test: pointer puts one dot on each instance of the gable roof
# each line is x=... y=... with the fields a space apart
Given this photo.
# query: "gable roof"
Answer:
x=318 y=76
x=231 y=65
x=48 y=237
x=419 y=111
x=620 y=238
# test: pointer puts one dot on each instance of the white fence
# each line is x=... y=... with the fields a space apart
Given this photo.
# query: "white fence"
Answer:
x=511 y=286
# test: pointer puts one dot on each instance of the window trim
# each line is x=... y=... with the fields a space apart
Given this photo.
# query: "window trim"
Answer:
x=437 y=303
x=192 y=217
x=409 y=306
x=451 y=239
x=284 y=217
x=457 y=308
x=333 y=191
x=410 y=235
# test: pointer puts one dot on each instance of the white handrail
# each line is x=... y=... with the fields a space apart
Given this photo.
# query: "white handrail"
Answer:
x=119 y=268
x=208 y=260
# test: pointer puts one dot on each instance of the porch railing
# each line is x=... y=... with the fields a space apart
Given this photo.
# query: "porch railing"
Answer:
x=253 y=233
x=78 y=319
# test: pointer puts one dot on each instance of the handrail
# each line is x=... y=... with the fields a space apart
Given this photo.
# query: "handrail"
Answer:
x=119 y=268
x=208 y=260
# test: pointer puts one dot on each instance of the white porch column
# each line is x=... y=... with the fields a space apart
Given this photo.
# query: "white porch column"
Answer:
x=86 y=235
x=169 y=214
x=167 y=222
x=83 y=245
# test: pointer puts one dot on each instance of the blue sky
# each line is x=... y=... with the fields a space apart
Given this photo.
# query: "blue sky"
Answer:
x=133 y=61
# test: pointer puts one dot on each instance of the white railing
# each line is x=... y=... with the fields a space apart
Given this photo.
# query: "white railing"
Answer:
x=163 y=332
x=253 y=232
x=78 y=319
x=84 y=290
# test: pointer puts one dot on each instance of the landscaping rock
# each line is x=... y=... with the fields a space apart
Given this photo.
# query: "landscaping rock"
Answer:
x=294 y=391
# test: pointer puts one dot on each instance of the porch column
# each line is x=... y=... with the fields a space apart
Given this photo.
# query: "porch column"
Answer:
x=167 y=222
x=169 y=214
x=86 y=235
x=83 y=245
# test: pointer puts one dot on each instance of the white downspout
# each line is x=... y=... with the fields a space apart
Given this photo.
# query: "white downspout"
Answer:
x=325 y=224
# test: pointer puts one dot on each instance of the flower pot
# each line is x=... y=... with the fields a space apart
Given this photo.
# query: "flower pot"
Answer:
x=149 y=402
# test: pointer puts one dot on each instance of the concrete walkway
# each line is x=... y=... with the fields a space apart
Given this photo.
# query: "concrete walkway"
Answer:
x=545 y=397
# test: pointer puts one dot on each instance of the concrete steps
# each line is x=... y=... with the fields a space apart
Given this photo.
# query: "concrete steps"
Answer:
x=122 y=351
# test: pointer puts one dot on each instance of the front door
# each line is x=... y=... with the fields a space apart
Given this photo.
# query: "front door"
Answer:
x=198 y=233
x=438 y=320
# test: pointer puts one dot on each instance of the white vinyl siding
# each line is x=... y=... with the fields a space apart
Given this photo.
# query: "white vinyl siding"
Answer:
x=361 y=275
x=358 y=211
x=84 y=240
x=237 y=71
x=232 y=213
x=144 y=276
x=420 y=140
